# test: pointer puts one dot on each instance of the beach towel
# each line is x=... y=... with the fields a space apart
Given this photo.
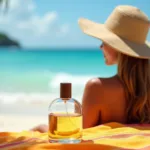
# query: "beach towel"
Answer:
x=110 y=136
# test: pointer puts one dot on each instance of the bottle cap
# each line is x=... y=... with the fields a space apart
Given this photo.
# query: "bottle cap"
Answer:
x=65 y=90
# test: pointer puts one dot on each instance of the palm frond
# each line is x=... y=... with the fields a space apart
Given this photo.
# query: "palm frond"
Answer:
x=1 y=1
x=5 y=3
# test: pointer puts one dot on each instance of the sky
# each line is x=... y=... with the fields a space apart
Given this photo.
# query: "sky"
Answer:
x=54 y=23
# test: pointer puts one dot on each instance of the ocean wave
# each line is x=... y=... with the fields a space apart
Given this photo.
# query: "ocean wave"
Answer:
x=40 y=96
x=78 y=81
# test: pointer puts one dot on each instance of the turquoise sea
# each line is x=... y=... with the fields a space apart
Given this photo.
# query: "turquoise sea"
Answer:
x=34 y=75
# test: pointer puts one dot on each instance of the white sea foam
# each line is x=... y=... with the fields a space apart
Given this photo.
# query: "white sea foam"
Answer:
x=52 y=92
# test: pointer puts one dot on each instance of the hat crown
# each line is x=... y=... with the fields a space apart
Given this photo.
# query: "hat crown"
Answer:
x=132 y=11
x=129 y=23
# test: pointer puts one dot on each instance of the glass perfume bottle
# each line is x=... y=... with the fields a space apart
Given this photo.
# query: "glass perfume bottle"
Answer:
x=65 y=117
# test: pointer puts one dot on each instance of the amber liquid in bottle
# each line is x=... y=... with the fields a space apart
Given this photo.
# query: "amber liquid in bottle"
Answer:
x=65 y=126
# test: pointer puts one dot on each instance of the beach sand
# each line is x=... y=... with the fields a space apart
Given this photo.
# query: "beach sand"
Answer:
x=20 y=122
x=18 y=117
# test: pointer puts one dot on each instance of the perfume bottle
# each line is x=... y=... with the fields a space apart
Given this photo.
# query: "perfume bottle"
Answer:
x=65 y=117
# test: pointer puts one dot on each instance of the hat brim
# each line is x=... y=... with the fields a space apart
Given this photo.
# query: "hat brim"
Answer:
x=120 y=44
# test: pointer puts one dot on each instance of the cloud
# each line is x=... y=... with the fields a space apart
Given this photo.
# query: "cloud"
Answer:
x=23 y=23
x=38 y=25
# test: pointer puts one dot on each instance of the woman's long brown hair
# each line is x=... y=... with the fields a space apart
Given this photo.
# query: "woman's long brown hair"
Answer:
x=135 y=76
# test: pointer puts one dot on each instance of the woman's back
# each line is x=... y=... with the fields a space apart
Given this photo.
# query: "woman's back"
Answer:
x=107 y=101
x=114 y=101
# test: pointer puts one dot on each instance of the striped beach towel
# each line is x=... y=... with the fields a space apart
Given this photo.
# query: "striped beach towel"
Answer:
x=111 y=136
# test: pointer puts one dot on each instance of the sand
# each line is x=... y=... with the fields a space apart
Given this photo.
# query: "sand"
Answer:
x=18 y=117
x=12 y=122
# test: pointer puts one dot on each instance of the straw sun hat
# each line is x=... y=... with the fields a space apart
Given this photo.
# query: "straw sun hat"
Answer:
x=125 y=30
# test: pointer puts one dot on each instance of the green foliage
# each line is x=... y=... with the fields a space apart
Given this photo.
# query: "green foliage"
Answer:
x=6 y=3
x=5 y=41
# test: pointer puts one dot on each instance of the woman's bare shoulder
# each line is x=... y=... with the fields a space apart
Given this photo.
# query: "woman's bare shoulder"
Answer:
x=110 y=82
x=103 y=88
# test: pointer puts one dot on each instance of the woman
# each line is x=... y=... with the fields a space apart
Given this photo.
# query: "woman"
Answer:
x=124 y=97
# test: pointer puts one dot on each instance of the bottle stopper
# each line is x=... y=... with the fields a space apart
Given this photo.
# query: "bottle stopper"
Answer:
x=65 y=90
